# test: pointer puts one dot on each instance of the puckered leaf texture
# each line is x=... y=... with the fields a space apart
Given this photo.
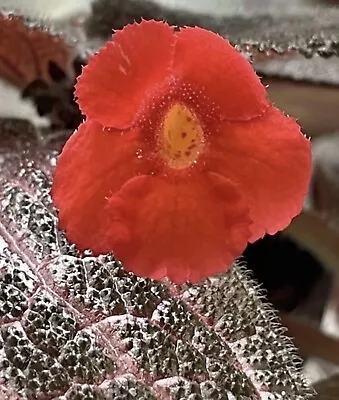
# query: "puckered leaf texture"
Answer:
x=308 y=31
x=79 y=327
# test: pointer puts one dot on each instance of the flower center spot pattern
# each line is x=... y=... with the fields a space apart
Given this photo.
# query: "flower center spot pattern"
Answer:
x=181 y=137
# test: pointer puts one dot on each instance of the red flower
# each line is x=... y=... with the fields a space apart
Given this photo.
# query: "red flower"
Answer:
x=182 y=159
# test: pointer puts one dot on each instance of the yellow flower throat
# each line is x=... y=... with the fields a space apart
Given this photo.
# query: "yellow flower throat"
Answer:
x=182 y=137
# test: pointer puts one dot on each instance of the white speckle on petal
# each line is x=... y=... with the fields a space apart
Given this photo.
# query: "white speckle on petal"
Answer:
x=122 y=69
x=125 y=56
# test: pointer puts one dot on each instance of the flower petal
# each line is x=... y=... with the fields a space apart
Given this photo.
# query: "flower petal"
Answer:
x=208 y=63
x=112 y=87
x=270 y=160
x=183 y=229
x=93 y=165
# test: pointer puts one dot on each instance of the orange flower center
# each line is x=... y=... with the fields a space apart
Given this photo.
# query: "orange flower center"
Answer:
x=181 y=138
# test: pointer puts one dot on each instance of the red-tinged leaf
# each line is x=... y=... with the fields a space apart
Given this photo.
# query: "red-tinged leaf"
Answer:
x=26 y=51
x=37 y=71
x=81 y=327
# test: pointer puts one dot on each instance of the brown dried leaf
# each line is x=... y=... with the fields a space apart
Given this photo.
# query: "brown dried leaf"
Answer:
x=328 y=389
x=26 y=51
x=38 y=70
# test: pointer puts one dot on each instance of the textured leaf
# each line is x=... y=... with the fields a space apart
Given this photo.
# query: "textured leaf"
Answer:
x=309 y=32
x=82 y=328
